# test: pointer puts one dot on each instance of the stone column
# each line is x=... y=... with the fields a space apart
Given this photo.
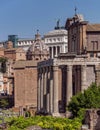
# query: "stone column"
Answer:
x=45 y=89
x=63 y=84
x=38 y=92
x=51 y=90
x=83 y=78
x=52 y=55
x=69 y=83
x=56 y=51
x=48 y=91
x=55 y=94
x=41 y=89
x=45 y=80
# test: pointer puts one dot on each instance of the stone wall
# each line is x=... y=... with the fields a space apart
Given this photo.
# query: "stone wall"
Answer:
x=90 y=75
x=25 y=79
x=92 y=119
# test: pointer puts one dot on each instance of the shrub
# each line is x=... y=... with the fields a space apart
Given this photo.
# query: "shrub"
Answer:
x=90 y=98
x=45 y=123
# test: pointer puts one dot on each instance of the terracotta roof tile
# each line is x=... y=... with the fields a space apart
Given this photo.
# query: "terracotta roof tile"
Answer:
x=93 y=27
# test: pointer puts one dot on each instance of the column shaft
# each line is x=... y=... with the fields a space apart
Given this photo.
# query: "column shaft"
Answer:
x=48 y=92
x=38 y=93
x=45 y=81
x=55 y=73
x=69 y=83
x=45 y=90
x=83 y=78
x=52 y=54
x=42 y=90
x=56 y=51
x=51 y=91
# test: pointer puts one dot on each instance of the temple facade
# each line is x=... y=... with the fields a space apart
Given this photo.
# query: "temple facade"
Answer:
x=66 y=75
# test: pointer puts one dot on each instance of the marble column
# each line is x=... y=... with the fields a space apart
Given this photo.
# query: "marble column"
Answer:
x=83 y=78
x=55 y=94
x=48 y=91
x=69 y=83
x=51 y=90
x=44 y=87
x=52 y=53
x=41 y=89
x=45 y=80
x=56 y=54
x=38 y=92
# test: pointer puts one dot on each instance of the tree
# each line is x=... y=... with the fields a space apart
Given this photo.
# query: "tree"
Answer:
x=90 y=98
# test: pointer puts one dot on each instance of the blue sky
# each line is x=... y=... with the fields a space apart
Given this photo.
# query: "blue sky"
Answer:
x=24 y=17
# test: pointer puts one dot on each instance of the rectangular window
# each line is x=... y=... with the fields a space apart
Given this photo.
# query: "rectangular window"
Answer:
x=95 y=45
x=91 y=54
x=96 y=42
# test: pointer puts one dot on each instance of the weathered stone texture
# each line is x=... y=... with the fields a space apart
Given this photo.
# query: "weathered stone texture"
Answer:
x=25 y=86
x=92 y=119
x=90 y=76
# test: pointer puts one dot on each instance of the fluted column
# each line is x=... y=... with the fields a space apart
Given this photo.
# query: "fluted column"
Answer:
x=38 y=92
x=83 y=78
x=69 y=83
x=55 y=88
x=51 y=90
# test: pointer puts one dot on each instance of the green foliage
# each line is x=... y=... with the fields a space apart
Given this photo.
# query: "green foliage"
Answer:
x=3 y=59
x=4 y=103
x=81 y=113
x=3 y=64
x=44 y=122
x=90 y=98
x=27 y=114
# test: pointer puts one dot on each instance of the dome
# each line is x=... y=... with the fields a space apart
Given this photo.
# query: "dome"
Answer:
x=37 y=50
x=38 y=45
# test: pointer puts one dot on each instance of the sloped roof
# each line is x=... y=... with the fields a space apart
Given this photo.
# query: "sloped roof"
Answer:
x=23 y=64
x=93 y=27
